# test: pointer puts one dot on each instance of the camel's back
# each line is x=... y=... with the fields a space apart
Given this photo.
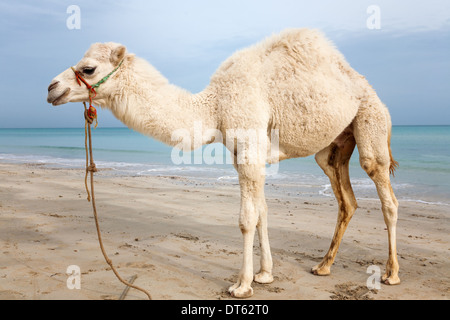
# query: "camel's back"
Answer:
x=299 y=82
x=293 y=52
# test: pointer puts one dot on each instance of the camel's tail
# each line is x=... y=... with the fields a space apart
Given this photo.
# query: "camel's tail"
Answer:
x=394 y=164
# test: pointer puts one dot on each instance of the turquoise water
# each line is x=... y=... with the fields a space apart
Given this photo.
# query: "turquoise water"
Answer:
x=422 y=151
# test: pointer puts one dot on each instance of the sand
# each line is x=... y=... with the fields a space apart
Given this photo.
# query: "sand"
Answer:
x=182 y=240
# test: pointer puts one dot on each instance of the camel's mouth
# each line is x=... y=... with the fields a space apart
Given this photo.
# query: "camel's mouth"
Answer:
x=58 y=100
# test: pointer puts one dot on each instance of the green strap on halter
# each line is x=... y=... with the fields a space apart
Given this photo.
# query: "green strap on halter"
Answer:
x=106 y=77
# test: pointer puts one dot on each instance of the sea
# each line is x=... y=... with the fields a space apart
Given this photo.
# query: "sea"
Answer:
x=423 y=153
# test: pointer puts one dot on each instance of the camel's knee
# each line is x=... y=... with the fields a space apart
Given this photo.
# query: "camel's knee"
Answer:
x=390 y=212
x=347 y=209
x=378 y=171
x=247 y=225
x=374 y=167
x=368 y=165
x=248 y=218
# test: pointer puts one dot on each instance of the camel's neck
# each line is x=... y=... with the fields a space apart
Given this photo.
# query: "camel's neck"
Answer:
x=144 y=101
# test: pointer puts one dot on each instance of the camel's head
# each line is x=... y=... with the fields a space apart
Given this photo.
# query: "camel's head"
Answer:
x=99 y=60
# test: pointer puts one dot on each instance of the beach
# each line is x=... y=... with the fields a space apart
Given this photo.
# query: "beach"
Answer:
x=180 y=236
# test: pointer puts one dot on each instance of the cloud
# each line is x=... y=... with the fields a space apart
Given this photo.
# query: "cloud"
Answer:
x=187 y=40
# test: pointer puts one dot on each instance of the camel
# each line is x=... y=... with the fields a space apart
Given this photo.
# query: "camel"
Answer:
x=295 y=82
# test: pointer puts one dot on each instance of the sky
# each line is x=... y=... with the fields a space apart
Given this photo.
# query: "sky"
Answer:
x=402 y=48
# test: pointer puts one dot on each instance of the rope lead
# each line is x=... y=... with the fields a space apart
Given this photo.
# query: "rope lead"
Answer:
x=91 y=168
x=90 y=114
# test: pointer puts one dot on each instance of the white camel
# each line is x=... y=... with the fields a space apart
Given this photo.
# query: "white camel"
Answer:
x=295 y=82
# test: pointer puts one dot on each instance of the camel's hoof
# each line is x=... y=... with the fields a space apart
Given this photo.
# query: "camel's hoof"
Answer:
x=264 y=277
x=240 y=291
x=321 y=270
x=392 y=280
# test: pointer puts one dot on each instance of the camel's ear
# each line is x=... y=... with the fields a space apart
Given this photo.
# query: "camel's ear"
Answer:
x=117 y=55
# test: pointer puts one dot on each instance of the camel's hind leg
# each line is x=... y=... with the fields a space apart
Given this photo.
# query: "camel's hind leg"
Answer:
x=334 y=161
x=372 y=128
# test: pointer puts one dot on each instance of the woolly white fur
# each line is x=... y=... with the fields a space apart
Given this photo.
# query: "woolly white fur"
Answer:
x=295 y=82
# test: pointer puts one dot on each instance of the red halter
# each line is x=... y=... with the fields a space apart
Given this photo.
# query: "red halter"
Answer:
x=91 y=112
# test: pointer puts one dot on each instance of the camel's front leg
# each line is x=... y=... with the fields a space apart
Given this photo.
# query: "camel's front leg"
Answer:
x=251 y=180
x=265 y=273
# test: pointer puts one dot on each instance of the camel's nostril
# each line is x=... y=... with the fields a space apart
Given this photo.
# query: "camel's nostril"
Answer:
x=52 y=86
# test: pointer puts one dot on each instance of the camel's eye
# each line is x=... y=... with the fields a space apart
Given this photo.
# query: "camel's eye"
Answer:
x=88 y=70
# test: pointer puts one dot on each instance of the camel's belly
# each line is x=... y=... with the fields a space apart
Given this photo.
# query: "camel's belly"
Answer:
x=302 y=140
